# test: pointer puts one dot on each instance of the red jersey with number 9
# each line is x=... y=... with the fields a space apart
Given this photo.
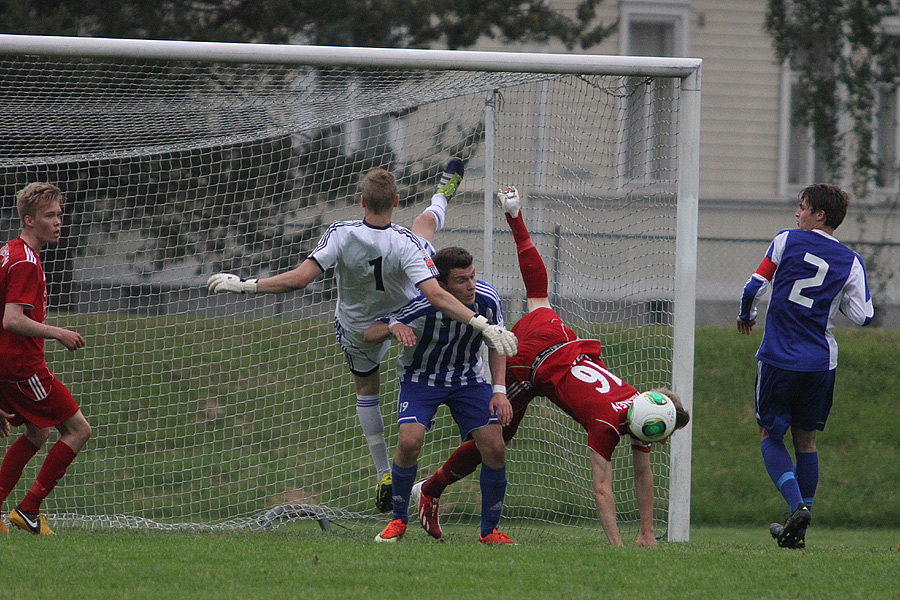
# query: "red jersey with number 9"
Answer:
x=571 y=374
x=22 y=282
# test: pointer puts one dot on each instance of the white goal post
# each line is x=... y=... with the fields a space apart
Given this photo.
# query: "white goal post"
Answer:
x=180 y=159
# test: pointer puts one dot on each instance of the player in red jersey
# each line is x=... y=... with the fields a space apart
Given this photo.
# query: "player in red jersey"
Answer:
x=552 y=362
x=29 y=393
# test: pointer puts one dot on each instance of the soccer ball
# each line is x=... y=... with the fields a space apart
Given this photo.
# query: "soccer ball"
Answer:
x=651 y=416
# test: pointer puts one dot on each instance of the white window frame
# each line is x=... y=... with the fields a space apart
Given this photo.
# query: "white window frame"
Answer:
x=676 y=13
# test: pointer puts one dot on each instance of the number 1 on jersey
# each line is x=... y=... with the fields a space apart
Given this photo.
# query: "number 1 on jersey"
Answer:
x=379 y=281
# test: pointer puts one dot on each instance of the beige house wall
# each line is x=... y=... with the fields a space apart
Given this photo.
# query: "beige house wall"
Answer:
x=741 y=123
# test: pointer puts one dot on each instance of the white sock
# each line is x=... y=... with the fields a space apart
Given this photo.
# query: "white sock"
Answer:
x=439 y=209
x=369 y=411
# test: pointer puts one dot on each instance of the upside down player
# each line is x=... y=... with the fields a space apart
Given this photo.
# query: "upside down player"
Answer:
x=552 y=362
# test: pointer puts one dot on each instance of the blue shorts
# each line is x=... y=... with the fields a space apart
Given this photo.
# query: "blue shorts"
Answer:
x=469 y=405
x=792 y=399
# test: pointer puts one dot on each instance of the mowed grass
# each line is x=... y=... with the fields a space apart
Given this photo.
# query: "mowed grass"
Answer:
x=300 y=561
x=851 y=553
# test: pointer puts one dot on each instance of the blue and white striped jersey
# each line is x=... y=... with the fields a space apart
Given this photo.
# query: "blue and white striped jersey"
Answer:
x=813 y=276
x=447 y=353
x=377 y=269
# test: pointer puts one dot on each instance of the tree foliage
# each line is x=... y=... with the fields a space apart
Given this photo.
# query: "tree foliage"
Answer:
x=373 y=23
x=842 y=54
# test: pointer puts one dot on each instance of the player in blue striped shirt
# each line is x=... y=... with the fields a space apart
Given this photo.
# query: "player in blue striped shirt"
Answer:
x=812 y=276
x=441 y=363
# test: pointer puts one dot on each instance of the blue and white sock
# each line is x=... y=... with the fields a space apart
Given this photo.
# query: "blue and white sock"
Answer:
x=780 y=467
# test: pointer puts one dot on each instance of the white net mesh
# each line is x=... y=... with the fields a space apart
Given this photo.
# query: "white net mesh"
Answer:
x=239 y=411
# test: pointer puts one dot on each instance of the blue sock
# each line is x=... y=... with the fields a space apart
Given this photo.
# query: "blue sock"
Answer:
x=780 y=467
x=402 y=481
x=493 y=490
x=807 y=472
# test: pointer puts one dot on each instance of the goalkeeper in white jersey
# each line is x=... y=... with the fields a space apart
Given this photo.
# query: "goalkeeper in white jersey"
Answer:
x=378 y=266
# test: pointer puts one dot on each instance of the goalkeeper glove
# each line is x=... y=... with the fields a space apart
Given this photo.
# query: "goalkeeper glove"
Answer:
x=226 y=282
x=502 y=340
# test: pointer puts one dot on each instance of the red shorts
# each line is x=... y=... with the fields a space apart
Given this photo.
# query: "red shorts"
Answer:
x=41 y=400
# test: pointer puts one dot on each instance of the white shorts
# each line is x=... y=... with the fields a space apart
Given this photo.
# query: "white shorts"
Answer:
x=362 y=357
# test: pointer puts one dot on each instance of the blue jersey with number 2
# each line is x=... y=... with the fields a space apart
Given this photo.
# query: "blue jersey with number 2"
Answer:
x=812 y=276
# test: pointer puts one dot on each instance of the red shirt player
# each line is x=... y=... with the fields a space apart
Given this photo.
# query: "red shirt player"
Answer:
x=552 y=362
x=29 y=393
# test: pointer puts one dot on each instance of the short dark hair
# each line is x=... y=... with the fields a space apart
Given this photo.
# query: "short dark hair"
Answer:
x=379 y=188
x=449 y=258
x=830 y=198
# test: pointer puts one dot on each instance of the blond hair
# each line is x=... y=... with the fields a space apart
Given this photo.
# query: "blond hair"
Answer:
x=379 y=188
x=34 y=195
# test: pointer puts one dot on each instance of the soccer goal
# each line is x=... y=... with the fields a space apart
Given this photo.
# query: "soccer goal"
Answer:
x=181 y=159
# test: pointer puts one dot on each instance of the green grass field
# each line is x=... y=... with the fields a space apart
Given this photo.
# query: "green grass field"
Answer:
x=300 y=561
x=851 y=553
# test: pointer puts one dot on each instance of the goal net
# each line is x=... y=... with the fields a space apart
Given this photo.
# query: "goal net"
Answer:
x=230 y=411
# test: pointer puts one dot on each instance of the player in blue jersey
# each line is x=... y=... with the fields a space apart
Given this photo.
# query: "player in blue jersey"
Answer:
x=812 y=276
x=378 y=266
x=441 y=363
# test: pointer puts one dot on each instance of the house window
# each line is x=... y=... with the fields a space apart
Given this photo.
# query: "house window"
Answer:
x=803 y=164
x=886 y=139
x=652 y=29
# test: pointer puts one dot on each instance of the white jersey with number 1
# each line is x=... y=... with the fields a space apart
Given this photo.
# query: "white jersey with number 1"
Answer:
x=377 y=269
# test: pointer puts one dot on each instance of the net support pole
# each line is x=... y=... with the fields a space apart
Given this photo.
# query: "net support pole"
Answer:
x=685 y=302
x=489 y=140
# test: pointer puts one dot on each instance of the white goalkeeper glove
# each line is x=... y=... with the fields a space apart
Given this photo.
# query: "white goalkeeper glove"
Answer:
x=226 y=282
x=502 y=340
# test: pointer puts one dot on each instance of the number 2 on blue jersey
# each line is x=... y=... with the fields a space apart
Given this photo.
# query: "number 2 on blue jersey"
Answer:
x=816 y=280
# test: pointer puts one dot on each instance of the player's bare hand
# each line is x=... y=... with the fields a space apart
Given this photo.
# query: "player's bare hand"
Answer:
x=646 y=539
x=4 y=423
x=404 y=333
x=501 y=407
x=72 y=340
x=745 y=327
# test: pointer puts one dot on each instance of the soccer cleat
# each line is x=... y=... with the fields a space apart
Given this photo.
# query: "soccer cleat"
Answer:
x=384 y=492
x=793 y=533
x=428 y=513
x=451 y=177
x=36 y=524
x=3 y=528
x=777 y=530
x=495 y=537
x=393 y=532
x=511 y=201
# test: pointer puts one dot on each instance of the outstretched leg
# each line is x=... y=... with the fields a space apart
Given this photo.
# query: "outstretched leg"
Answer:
x=531 y=265
x=431 y=220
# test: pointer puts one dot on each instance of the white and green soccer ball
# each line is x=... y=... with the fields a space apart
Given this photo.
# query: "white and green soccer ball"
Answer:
x=651 y=416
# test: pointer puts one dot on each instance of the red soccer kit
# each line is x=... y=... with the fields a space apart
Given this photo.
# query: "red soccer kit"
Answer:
x=27 y=388
x=552 y=362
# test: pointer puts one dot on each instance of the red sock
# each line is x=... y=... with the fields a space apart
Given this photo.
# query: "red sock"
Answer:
x=58 y=460
x=14 y=463
x=461 y=463
x=534 y=273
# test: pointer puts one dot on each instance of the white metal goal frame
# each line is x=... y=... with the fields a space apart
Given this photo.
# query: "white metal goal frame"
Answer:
x=686 y=70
